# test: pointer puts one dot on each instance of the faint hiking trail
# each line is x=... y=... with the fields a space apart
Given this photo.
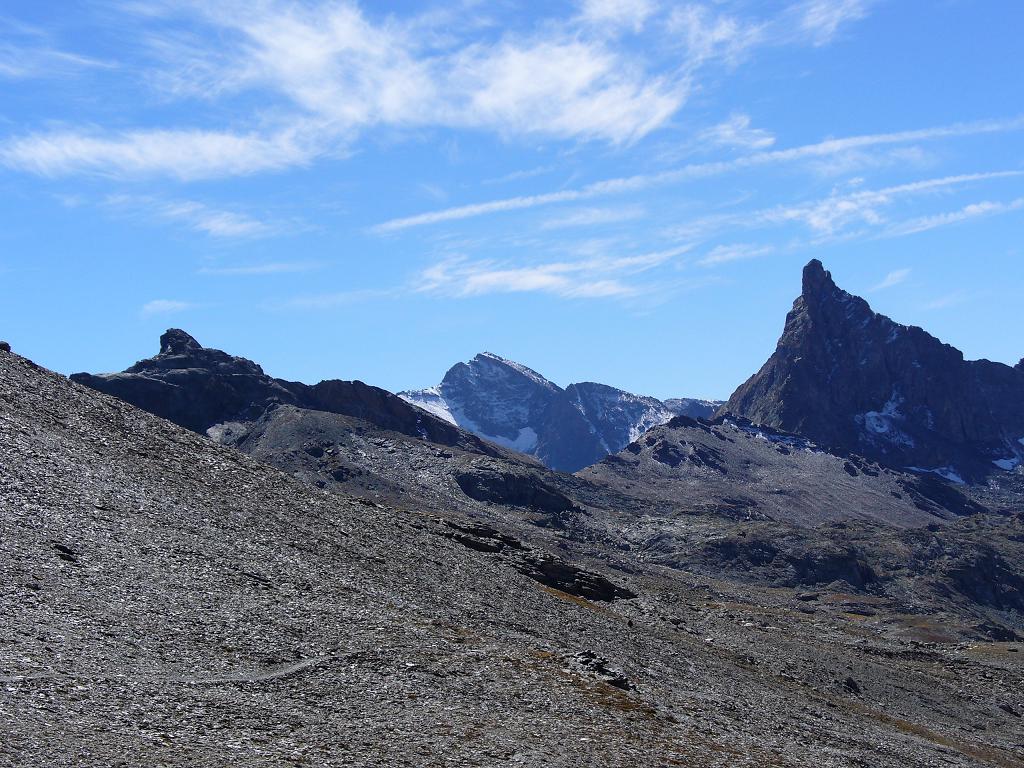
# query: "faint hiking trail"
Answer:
x=242 y=676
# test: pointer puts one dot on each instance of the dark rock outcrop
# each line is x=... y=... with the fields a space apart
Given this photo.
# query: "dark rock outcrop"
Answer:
x=199 y=388
x=852 y=379
x=517 y=489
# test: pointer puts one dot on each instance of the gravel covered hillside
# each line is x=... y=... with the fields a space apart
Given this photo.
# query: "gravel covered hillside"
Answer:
x=169 y=601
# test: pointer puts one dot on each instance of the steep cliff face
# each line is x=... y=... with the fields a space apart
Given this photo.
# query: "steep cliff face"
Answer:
x=848 y=377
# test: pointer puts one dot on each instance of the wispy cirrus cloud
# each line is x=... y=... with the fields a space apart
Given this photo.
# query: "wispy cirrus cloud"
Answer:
x=527 y=173
x=27 y=51
x=822 y=19
x=705 y=33
x=595 y=217
x=723 y=254
x=333 y=299
x=966 y=213
x=591 y=278
x=197 y=216
x=629 y=15
x=187 y=155
x=949 y=300
x=828 y=216
x=736 y=132
x=165 y=307
x=266 y=268
x=18 y=63
x=891 y=280
x=334 y=71
x=700 y=170
x=838 y=211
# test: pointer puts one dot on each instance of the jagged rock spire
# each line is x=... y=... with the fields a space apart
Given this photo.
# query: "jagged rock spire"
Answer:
x=851 y=379
x=817 y=283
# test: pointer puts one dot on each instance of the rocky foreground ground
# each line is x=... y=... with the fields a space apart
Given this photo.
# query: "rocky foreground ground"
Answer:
x=168 y=601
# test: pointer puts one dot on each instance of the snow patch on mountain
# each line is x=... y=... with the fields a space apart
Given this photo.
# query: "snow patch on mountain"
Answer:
x=884 y=424
x=432 y=401
x=948 y=473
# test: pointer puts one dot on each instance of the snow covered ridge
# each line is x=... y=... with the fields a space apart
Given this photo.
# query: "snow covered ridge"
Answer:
x=514 y=406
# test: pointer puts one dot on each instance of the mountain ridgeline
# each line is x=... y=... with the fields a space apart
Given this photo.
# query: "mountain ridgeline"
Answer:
x=340 y=575
x=849 y=378
x=199 y=388
x=568 y=429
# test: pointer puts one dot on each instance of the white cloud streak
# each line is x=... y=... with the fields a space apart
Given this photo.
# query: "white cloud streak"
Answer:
x=596 y=278
x=949 y=300
x=968 y=212
x=838 y=211
x=833 y=217
x=618 y=15
x=164 y=307
x=737 y=133
x=195 y=215
x=595 y=217
x=27 y=51
x=822 y=19
x=338 y=72
x=701 y=170
x=724 y=254
x=891 y=280
x=187 y=155
x=270 y=268
x=704 y=34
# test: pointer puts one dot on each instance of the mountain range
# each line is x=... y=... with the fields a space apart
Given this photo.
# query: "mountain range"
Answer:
x=207 y=565
x=568 y=429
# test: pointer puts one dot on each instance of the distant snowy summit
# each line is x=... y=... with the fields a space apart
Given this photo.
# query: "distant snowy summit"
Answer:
x=507 y=403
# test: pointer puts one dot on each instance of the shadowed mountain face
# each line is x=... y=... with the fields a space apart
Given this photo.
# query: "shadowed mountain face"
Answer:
x=852 y=379
x=199 y=388
x=568 y=429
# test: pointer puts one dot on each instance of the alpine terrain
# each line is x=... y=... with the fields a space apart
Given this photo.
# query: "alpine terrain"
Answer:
x=206 y=565
x=568 y=429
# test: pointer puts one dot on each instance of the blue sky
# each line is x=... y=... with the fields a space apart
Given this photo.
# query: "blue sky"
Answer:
x=614 y=191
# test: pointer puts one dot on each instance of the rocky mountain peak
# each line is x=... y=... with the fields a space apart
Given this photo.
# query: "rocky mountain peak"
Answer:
x=854 y=380
x=817 y=281
x=825 y=303
x=512 y=405
x=488 y=364
x=175 y=341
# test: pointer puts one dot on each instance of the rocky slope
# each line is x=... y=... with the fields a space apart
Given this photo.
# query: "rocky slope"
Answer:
x=169 y=601
x=734 y=468
x=847 y=377
x=568 y=429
